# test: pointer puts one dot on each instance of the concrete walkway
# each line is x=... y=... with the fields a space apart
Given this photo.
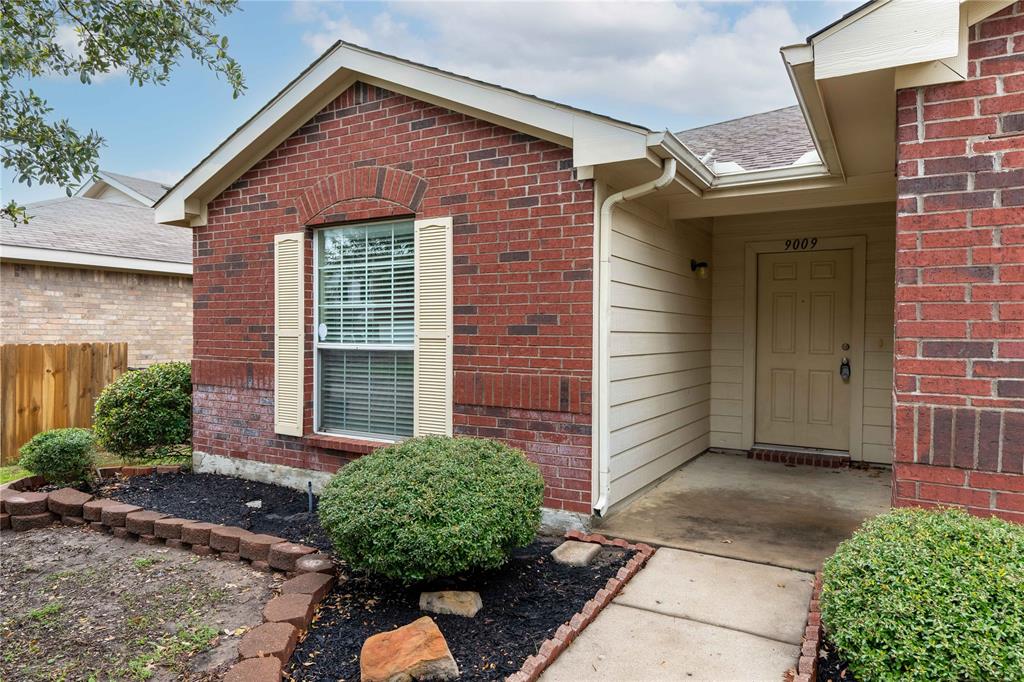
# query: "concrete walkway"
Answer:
x=692 y=616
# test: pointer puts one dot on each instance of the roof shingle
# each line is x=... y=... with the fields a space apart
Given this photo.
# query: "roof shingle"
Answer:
x=769 y=140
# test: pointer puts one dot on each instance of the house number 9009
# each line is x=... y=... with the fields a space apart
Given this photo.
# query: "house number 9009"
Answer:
x=801 y=244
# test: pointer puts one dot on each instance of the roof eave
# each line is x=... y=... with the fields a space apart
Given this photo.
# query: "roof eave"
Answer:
x=78 y=259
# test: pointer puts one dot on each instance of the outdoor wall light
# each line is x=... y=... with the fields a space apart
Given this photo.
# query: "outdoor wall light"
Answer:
x=699 y=267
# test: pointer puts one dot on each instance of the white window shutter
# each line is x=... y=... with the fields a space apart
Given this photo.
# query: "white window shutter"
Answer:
x=432 y=376
x=289 y=304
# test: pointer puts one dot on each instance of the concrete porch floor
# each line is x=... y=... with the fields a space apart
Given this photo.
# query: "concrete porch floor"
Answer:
x=765 y=512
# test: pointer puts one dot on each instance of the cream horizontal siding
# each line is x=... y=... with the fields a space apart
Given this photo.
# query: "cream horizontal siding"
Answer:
x=876 y=222
x=660 y=365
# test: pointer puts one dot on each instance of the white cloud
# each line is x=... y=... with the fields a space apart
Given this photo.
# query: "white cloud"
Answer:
x=70 y=41
x=686 y=62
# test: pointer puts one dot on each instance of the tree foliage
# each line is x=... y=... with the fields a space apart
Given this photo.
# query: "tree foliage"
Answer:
x=145 y=39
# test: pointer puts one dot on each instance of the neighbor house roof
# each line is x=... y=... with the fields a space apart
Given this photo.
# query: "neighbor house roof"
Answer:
x=95 y=233
x=150 y=189
x=767 y=140
x=144 y=192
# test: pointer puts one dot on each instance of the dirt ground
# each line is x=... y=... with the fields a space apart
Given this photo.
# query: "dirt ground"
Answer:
x=81 y=605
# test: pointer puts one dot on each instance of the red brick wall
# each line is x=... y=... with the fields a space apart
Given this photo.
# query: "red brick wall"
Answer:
x=959 y=366
x=522 y=278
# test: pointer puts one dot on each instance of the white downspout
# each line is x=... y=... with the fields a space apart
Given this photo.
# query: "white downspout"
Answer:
x=668 y=173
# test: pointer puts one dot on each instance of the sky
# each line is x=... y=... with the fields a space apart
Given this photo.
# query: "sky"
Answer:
x=673 y=65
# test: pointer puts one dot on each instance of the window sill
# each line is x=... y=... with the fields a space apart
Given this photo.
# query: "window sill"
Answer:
x=359 y=446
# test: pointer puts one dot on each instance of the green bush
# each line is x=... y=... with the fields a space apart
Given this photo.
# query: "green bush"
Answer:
x=928 y=595
x=60 y=455
x=145 y=409
x=433 y=507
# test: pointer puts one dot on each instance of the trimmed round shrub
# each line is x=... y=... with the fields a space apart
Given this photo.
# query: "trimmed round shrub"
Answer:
x=928 y=595
x=145 y=409
x=433 y=507
x=59 y=455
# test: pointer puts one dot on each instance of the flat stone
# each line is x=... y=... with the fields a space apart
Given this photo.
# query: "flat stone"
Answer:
x=296 y=609
x=27 y=504
x=168 y=468
x=256 y=546
x=137 y=470
x=451 y=602
x=315 y=563
x=116 y=515
x=202 y=550
x=317 y=585
x=32 y=521
x=67 y=501
x=169 y=528
x=5 y=520
x=254 y=504
x=6 y=491
x=122 y=533
x=225 y=538
x=270 y=639
x=108 y=472
x=265 y=669
x=260 y=566
x=141 y=522
x=174 y=543
x=197 y=533
x=149 y=539
x=93 y=509
x=97 y=526
x=72 y=521
x=417 y=651
x=229 y=556
x=575 y=553
x=284 y=555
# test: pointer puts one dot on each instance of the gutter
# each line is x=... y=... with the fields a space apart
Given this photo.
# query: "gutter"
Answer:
x=668 y=174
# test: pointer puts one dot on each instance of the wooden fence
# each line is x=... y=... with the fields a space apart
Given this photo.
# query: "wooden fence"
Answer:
x=52 y=386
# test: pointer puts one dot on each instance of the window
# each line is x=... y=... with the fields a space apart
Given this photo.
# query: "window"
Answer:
x=364 y=334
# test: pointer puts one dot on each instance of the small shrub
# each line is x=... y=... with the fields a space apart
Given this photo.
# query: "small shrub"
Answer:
x=60 y=455
x=432 y=507
x=145 y=409
x=925 y=595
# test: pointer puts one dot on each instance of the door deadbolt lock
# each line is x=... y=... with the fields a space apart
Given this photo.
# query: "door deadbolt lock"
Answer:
x=844 y=369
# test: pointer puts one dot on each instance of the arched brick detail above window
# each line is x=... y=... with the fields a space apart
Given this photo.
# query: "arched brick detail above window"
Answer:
x=392 y=185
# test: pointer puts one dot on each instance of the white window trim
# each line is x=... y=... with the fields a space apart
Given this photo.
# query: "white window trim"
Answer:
x=317 y=345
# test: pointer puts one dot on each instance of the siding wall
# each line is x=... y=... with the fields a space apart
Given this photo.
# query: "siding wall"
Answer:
x=874 y=221
x=660 y=348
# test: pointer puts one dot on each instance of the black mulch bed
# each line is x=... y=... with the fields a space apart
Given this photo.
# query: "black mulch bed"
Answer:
x=524 y=603
x=831 y=667
x=221 y=499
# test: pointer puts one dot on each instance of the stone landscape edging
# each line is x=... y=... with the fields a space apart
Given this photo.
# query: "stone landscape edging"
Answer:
x=567 y=632
x=807 y=665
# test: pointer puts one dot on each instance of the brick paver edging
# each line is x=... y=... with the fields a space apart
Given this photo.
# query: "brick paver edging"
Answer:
x=551 y=648
x=264 y=650
x=807 y=667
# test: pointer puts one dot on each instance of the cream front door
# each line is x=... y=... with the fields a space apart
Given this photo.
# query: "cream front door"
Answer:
x=803 y=323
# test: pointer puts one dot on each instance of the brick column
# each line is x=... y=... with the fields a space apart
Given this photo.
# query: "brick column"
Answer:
x=959 y=350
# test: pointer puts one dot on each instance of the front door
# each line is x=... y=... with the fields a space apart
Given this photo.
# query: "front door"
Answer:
x=803 y=336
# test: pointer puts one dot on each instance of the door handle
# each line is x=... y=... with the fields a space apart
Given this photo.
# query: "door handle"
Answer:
x=844 y=369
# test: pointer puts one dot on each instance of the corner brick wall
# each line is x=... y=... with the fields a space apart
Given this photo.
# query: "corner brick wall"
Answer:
x=959 y=365
x=44 y=304
x=522 y=278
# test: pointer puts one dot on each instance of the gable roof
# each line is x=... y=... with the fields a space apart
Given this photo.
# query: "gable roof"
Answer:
x=84 y=231
x=146 y=192
x=766 y=140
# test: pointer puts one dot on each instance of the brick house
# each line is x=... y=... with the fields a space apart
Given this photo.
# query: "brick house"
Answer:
x=388 y=250
x=95 y=267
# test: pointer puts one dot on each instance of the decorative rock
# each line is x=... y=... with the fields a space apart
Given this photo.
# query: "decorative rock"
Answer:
x=6 y=491
x=67 y=501
x=27 y=504
x=254 y=504
x=116 y=515
x=315 y=563
x=168 y=468
x=5 y=520
x=122 y=533
x=573 y=553
x=296 y=609
x=265 y=669
x=260 y=566
x=73 y=521
x=269 y=639
x=451 y=602
x=197 y=533
x=141 y=522
x=417 y=651
x=32 y=521
x=202 y=550
x=225 y=538
x=256 y=546
x=169 y=527
x=314 y=584
x=284 y=555
x=93 y=509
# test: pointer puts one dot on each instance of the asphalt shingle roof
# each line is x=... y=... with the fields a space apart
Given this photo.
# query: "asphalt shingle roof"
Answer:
x=99 y=227
x=150 y=189
x=768 y=140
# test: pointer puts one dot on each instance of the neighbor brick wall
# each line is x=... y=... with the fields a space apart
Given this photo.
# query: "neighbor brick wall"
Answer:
x=959 y=366
x=522 y=278
x=43 y=304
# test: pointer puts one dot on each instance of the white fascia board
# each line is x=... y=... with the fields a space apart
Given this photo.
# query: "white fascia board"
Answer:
x=92 y=260
x=666 y=145
x=799 y=63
